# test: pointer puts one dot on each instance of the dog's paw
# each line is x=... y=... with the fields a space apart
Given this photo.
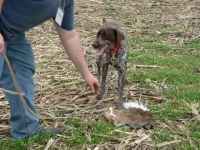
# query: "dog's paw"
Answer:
x=99 y=96
x=120 y=106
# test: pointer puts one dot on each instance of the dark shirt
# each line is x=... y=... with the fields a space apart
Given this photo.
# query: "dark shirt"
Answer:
x=18 y=16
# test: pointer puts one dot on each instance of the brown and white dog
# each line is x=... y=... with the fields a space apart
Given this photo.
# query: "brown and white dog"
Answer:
x=112 y=49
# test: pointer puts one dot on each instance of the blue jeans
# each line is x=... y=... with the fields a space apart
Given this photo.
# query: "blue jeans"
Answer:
x=21 y=57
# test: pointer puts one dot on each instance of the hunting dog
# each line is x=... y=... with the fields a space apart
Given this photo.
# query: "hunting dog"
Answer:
x=112 y=48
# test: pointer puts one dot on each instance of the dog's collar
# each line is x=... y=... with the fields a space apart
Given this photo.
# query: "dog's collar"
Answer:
x=114 y=49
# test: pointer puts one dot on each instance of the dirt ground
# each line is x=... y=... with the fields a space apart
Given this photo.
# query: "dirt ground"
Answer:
x=59 y=88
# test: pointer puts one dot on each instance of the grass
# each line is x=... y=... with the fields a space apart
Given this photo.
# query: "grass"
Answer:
x=177 y=80
x=23 y=144
x=91 y=132
x=80 y=132
x=182 y=83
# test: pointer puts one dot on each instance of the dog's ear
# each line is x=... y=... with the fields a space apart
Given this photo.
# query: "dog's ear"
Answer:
x=119 y=37
x=104 y=20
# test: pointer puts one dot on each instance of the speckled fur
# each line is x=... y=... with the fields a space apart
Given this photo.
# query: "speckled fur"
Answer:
x=120 y=63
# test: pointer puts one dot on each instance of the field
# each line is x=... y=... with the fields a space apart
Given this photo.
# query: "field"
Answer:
x=163 y=72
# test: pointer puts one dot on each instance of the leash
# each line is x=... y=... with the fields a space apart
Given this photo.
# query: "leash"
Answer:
x=17 y=88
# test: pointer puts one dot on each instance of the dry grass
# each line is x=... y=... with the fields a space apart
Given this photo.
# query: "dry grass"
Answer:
x=59 y=89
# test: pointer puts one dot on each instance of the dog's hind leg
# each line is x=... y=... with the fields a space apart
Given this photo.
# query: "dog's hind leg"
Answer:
x=122 y=62
x=103 y=81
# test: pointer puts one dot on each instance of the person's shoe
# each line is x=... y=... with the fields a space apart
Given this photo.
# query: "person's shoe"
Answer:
x=53 y=130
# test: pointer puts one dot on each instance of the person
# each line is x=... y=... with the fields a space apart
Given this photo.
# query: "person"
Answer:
x=16 y=18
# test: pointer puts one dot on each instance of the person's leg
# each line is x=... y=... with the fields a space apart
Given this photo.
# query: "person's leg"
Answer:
x=20 y=55
x=2 y=62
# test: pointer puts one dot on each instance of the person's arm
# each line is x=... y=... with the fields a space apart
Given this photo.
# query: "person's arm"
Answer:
x=73 y=48
x=1 y=37
x=1 y=3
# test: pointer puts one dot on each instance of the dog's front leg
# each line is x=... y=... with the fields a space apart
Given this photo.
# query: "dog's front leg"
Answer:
x=99 y=66
x=103 y=81
x=121 y=79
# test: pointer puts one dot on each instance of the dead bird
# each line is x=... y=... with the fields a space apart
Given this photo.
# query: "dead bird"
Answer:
x=135 y=115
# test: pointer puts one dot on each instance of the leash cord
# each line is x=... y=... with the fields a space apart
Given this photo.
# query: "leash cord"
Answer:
x=17 y=88
x=11 y=92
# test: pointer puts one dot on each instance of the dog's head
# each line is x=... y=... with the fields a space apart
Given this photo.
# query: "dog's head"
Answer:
x=107 y=38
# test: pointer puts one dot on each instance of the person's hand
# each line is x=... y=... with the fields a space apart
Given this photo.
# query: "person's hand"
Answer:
x=1 y=44
x=92 y=83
